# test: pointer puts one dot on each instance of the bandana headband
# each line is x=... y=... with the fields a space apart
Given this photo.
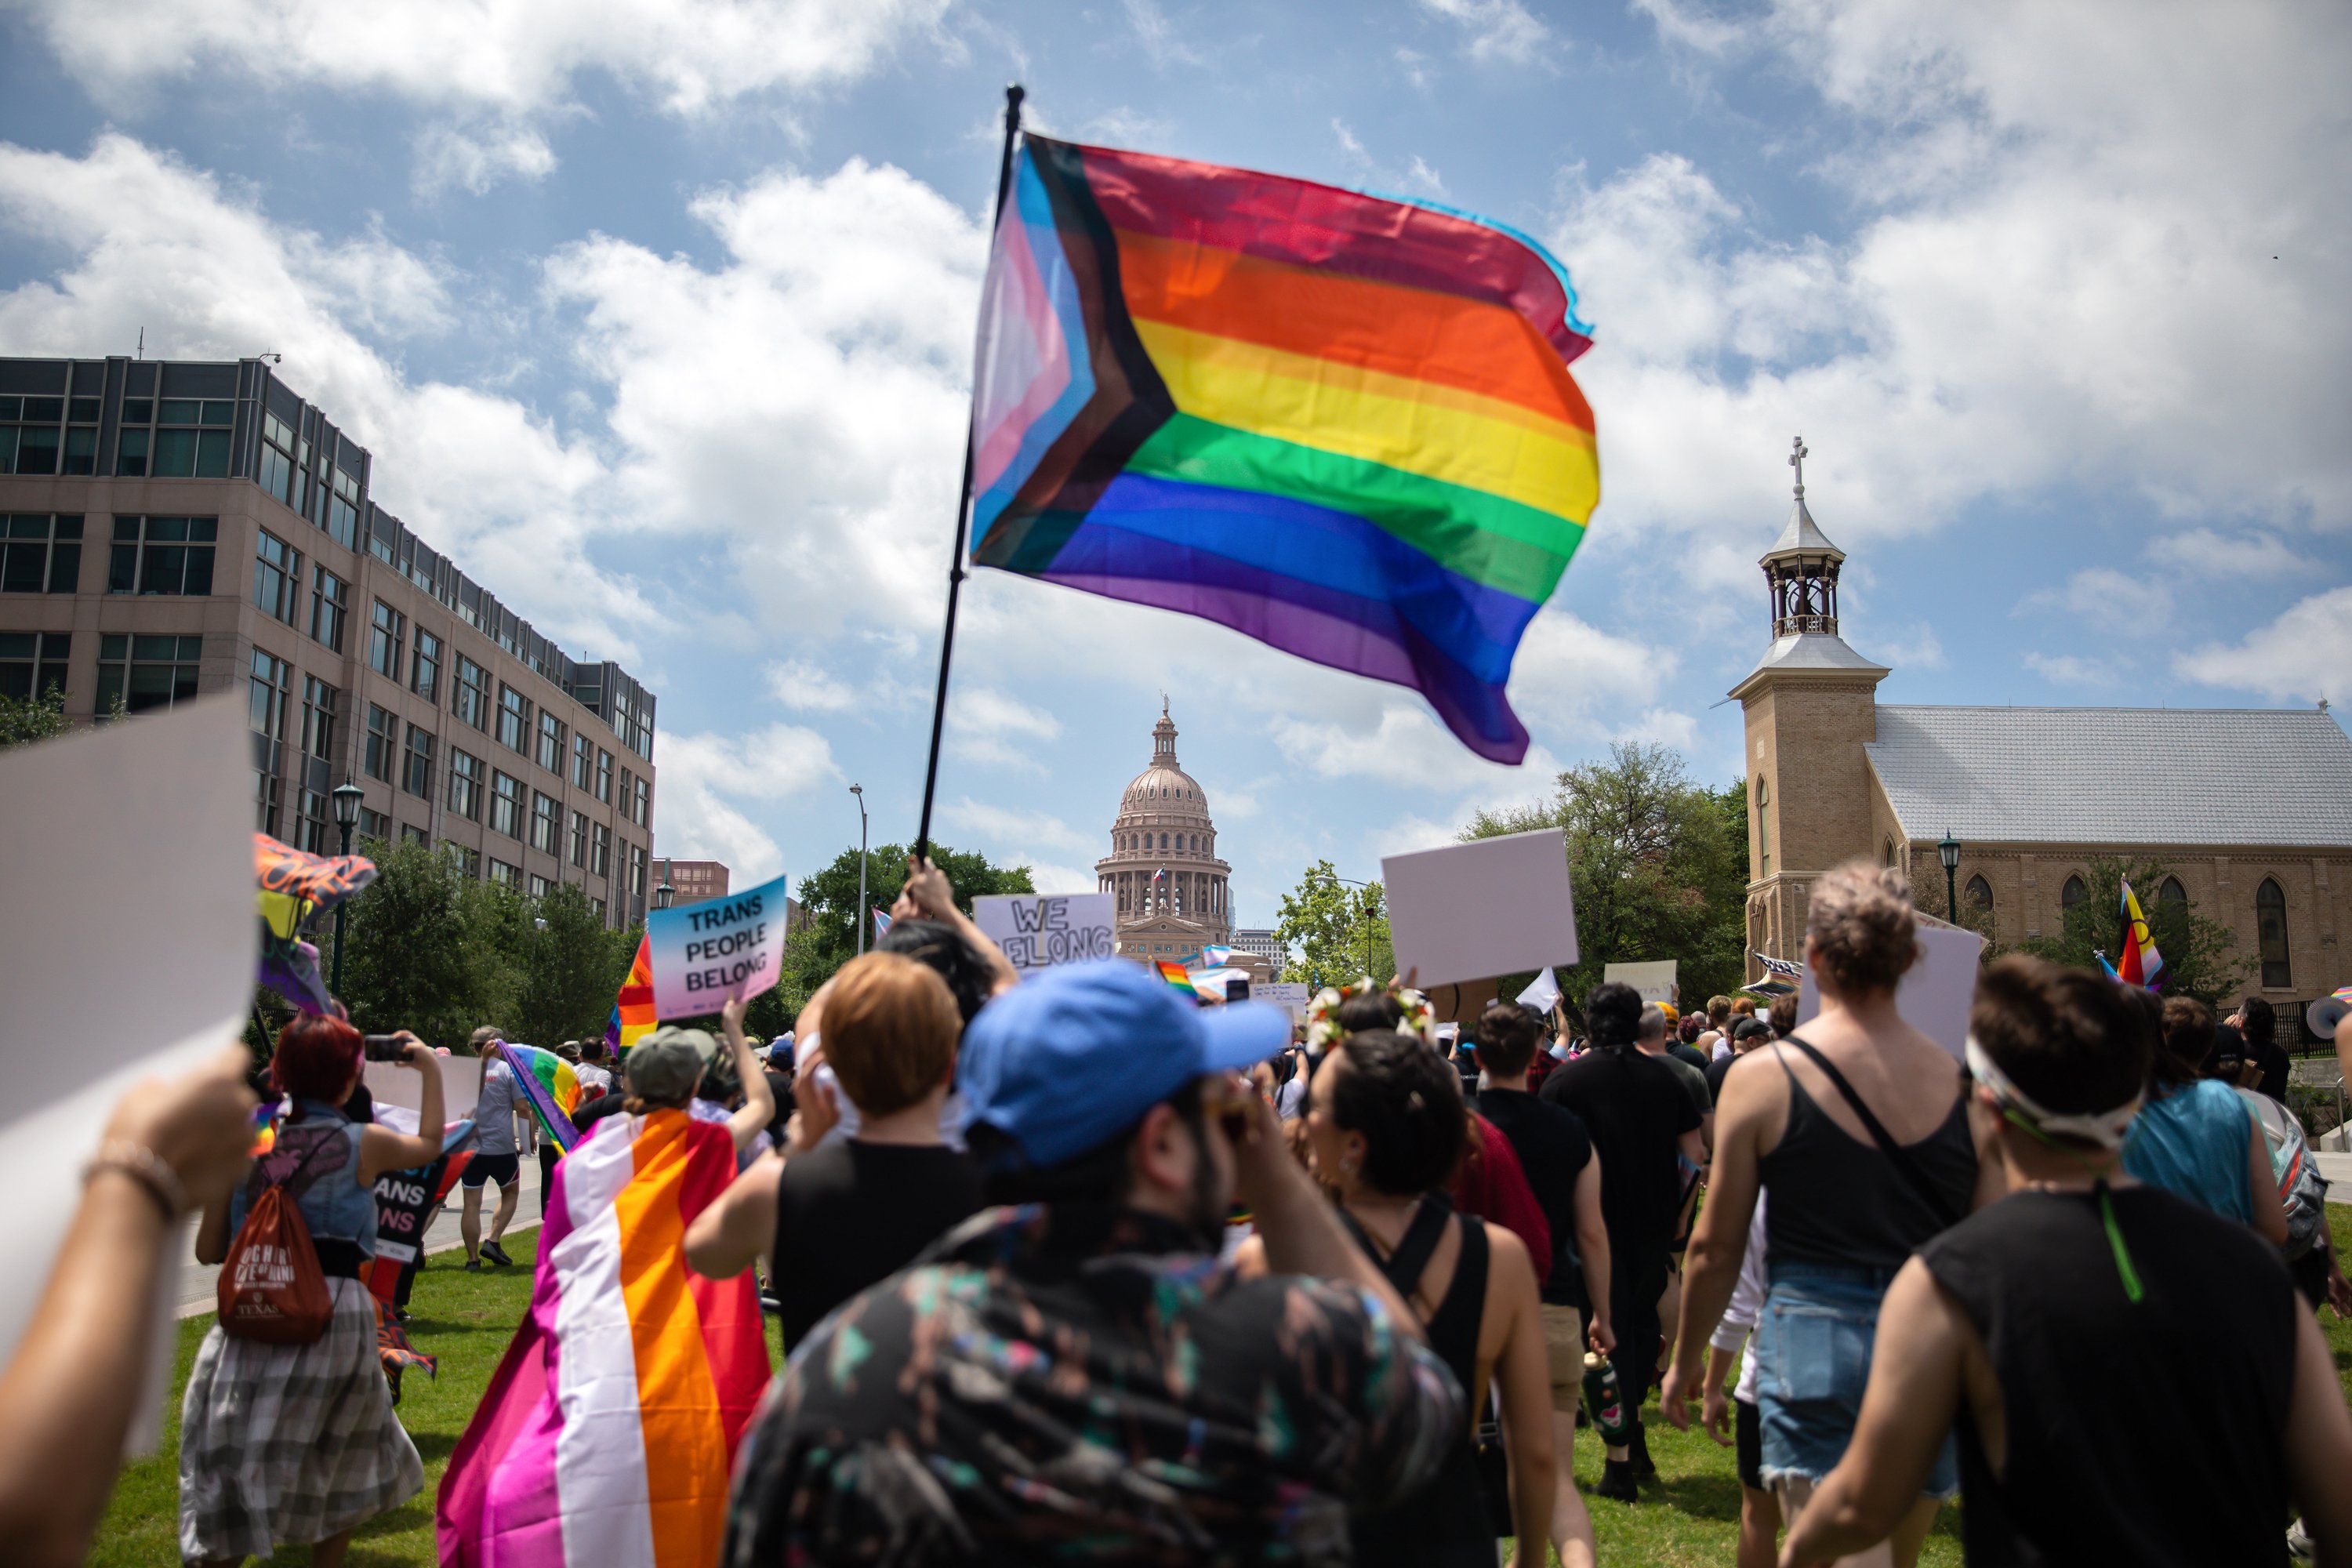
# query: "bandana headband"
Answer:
x=2107 y=1129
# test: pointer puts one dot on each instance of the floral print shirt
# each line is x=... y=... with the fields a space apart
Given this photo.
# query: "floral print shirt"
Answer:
x=1080 y=1383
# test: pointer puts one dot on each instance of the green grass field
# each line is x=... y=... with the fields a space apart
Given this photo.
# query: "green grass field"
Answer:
x=466 y=1319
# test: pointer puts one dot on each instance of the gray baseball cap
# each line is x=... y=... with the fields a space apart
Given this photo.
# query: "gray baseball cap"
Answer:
x=666 y=1065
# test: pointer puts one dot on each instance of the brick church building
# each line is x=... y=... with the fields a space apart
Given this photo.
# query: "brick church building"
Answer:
x=2251 y=808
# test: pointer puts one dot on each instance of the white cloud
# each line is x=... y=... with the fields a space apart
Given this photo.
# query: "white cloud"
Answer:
x=1047 y=878
x=2072 y=669
x=1665 y=726
x=709 y=783
x=1494 y=29
x=1023 y=829
x=2306 y=653
x=2107 y=599
x=1158 y=35
x=1420 y=176
x=474 y=160
x=986 y=726
x=2208 y=554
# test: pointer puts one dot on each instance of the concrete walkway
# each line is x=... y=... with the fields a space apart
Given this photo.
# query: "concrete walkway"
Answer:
x=199 y=1290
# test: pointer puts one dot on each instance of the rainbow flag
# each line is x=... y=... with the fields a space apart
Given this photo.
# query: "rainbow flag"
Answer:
x=608 y=1432
x=2142 y=964
x=633 y=1010
x=552 y=1086
x=1340 y=424
x=1178 y=977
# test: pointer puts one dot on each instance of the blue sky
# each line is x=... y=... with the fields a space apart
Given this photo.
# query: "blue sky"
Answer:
x=658 y=317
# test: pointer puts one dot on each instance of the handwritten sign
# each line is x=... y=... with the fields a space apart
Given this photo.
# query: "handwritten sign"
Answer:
x=1040 y=930
x=1653 y=979
x=725 y=948
x=1290 y=995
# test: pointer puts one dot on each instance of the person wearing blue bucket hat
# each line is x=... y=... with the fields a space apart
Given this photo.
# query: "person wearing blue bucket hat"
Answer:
x=1076 y=1372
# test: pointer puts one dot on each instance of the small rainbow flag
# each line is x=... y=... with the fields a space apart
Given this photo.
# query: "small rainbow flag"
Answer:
x=1179 y=978
x=609 y=1430
x=632 y=1010
x=2142 y=965
x=1340 y=424
x=551 y=1085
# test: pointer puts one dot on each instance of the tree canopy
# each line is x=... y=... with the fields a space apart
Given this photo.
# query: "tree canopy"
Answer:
x=1335 y=933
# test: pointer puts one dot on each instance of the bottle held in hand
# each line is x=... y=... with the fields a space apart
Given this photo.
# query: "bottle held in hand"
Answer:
x=1602 y=1401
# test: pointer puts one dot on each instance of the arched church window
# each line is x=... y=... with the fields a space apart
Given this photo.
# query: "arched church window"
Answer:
x=1979 y=892
x=2269 y=930
x=1763 y=827
x=2171 y=892
x=2073 y=893
x=1887 y=852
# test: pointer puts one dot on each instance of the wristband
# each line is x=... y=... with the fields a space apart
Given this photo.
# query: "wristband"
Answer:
x=143 y=1165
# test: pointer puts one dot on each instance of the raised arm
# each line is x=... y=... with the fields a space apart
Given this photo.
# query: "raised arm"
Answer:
x=758 y=1106
x=381 y=1148
x=930 y=895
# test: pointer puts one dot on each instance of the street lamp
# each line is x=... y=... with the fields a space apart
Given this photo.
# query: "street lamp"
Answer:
x=1948 y=851
x=859 y=790
x=346 y=797
x=665 y=894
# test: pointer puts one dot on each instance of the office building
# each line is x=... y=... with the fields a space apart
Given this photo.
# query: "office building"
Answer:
x=696 y=879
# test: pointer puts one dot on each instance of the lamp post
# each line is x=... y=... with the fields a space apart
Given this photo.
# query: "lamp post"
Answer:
x=859 y=790
x=664 y=895
x=1948 y=851
x=346 y=796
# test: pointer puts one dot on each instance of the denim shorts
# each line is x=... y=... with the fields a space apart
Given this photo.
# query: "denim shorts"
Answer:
x=1812 y=1360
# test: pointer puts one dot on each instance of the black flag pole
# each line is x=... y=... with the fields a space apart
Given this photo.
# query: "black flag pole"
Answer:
x=1013 y=96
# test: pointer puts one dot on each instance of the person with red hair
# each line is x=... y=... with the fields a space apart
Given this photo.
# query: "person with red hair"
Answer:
x=298 y=1445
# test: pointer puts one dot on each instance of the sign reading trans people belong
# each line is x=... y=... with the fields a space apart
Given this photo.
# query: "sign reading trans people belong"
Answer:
x=1039 y=930
x=717 y=950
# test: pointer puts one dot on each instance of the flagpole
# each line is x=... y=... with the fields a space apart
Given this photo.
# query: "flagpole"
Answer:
x=1013 y=96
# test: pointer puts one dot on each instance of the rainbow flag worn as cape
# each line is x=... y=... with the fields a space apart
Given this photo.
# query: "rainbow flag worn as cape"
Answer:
x=2142 y=965
x=1340 y=424
x=1178 y=977
x=607 y=1434
x=551 y=1085
x=633 y=1010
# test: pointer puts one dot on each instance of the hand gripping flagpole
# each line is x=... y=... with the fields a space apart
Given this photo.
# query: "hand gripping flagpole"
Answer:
x=1013 y=96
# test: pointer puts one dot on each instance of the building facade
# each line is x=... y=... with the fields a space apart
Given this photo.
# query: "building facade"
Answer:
x=1262 y=943
x=1171 y=893
x=696 y=880
x=177 y=529
x=2250 y=808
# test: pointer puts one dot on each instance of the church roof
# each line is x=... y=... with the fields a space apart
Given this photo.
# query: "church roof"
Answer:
x=2117 y=776
x=1802 y=534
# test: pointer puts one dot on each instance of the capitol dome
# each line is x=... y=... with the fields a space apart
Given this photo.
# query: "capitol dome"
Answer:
x=1163 y=856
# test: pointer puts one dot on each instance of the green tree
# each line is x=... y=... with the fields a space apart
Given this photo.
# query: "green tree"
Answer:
x=829 y=899
x=1659 y=865
x=571 y=970
x=1337 y=933
x=24 y=720
x=2200 y=955
x=430 y=949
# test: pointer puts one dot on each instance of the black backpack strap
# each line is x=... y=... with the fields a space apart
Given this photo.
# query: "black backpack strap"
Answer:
x=1404 y=1267
x=1895 y=1153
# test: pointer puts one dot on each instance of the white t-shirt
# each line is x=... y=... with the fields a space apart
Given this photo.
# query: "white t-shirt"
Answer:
x=592 y=1079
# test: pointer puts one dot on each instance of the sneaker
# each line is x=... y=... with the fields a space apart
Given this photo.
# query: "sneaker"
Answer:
x=473 y=1266
x=1617 y=1481
x=771 y=1304
x=497 y=1254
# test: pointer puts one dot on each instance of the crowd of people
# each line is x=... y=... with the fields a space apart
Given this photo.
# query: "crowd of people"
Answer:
x=1076 y=1269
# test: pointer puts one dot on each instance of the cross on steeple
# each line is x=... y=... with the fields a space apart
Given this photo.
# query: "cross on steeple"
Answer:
x=1798 y=452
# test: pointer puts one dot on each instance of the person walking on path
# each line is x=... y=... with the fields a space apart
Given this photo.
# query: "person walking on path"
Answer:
x=495 y=1156
x=2133 y=1377
x=294 y=1445
x=1863 y=1140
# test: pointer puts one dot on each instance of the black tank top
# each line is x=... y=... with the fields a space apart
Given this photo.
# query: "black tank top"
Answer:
x=2148 y=1432
x=1444 y=1525
x=1843 y=1201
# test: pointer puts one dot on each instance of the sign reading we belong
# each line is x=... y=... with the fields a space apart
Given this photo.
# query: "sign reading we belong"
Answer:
x=720 y=950
x=1038 y=930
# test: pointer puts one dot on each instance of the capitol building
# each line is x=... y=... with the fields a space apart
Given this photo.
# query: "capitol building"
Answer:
x=1171 y=891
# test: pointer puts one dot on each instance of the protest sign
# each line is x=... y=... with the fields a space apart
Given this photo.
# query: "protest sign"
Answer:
x=1470 y=911
x=1291 y=995
x=1038 y=930
x=1542 y=993
x=126 y=948
x=1654 y=981
x=1935 y=994
x=725 y=949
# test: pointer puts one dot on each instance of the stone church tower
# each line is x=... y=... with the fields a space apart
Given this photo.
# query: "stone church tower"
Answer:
x=1811 y=707
x=1171 y=890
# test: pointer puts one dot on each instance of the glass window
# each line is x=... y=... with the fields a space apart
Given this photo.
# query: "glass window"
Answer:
x=330 y=602
x=636 y=863
x=470 y=861
x=506 y=805
x=424 y=667
x=312 y=823
x=546 y=824
x=604 y=777
x=31 y=447
x=163 y=555
x=473 y=694
x=584 y=754
x=39 y=553
x=387 y=631
x=600 y=850
x=2073 y=893
x=579 y=839
x=411 y=833
x=514 y=720
x=265 y=801
x=343 y=519
x=416 y=771
x=277 y=578
x=551 y=737
x=644 y=814
x=383 y=744
x=374 y=824
x=2171 y=892
x=2270 y=931
x=319 y=704
x=278 y=464
x=146 y=671
x=541 y=886
x=1763 y=827
x=506 y=876
x=183 y=451
x=34 y=662
x=131 y=452
x=466 y=784
x=1979 y=892
x=267 y=693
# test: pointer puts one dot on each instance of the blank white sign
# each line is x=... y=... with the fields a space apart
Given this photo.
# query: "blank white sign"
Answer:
x=1936 y=992
x=1470 y=911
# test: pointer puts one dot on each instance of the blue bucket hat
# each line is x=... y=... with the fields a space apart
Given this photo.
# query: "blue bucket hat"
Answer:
x=1067 y=1062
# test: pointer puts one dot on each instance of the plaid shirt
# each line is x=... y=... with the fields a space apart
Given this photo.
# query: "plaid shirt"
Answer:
x=1080 y=1383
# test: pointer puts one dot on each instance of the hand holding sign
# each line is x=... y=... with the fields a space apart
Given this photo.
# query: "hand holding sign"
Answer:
x=729 y=948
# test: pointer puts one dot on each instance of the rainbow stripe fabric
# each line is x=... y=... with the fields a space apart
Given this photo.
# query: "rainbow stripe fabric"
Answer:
x=551 y=1085
x=2141 y=964
x=632 y=1010
x=1340 y=424
x=1178 y=977
x=608 y=1432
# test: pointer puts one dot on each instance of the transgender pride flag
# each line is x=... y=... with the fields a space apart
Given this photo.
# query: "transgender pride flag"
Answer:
x=607 y=1436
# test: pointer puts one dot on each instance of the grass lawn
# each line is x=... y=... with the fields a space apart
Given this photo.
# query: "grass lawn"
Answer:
x=466 y=1320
